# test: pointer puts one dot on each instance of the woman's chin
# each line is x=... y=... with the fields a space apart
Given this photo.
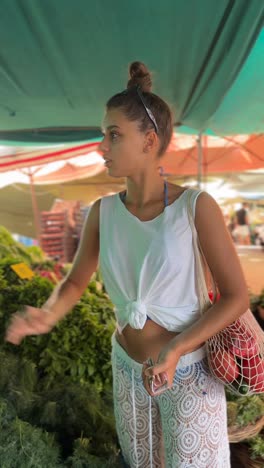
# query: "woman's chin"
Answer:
x=114 y=173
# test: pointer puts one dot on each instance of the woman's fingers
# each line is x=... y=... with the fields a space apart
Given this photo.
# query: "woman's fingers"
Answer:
x=157 y=369
x=31 y=322
x=41 y=319
x=16 y=330
x=153 y=383
x=146 y=380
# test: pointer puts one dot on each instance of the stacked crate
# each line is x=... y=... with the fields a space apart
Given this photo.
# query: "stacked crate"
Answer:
x=79 y=221
x=59 y=239
x=80 y=218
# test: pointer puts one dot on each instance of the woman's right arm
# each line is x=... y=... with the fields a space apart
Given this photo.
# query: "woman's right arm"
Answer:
x=68 y=292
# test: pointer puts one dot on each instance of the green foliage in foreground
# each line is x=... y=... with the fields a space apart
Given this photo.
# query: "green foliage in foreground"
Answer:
x=257 y=447
x=70 y=411
x=55 y=400
x=58 y=385
x=79 y=346
x=82 y=457
x=244 y=410
x=24 y=446
x=10 y=248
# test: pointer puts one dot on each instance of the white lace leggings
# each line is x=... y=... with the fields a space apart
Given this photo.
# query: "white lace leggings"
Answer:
x=186 y=426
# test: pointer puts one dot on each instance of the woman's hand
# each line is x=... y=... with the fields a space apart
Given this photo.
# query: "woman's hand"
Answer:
x=163 y=370
x=32 y=321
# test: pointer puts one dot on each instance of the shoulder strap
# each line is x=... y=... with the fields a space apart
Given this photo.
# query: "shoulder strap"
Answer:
x=200 y=262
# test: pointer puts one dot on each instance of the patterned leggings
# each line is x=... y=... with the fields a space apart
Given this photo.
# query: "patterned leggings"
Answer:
x=186 y=426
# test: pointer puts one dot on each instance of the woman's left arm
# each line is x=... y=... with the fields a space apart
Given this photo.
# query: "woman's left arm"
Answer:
x=223 y=261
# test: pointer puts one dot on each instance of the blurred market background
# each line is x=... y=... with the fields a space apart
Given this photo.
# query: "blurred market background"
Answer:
x=46 y=204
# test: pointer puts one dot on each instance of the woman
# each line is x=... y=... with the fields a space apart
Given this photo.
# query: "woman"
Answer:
x=147 y=261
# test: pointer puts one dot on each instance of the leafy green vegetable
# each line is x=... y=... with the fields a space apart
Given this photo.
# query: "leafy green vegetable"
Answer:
x=25 y=446
x=249 y=409
x=9 y=247
x=256 y=445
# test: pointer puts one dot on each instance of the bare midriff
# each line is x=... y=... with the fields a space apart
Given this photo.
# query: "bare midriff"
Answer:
x=145 y=343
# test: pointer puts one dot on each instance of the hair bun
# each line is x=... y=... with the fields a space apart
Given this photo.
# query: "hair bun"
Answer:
x=139 y=75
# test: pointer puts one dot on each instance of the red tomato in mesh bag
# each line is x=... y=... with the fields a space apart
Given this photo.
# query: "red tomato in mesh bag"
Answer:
x=224 y=366
x=240 y=342
x=243 y=347
x=253 y=372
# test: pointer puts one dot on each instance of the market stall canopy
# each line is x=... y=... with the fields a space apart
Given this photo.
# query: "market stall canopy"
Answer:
x=16 y=157
x=78 y=167
x=60 y=64
x=236 y=153
x=70 y=172
x=220 y=155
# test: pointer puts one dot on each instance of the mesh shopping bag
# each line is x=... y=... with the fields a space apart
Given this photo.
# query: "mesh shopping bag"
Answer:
x=236 y=354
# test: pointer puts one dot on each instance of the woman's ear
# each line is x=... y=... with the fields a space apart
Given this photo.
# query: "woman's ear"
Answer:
x=151 y=142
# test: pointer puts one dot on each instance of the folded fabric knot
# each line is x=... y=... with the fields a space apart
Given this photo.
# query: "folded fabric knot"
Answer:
x=137 y=314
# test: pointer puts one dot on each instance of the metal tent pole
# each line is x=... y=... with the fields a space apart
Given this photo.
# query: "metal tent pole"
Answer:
x=200 y=160
x=34 y=206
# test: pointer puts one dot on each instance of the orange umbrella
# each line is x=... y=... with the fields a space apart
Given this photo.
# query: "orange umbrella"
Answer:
x=254 y=145
x=219 y=155
x=70 y=172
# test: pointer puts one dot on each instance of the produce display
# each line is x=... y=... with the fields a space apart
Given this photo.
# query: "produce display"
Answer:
x=236 y=354
x=238 y=358
x=55 y=389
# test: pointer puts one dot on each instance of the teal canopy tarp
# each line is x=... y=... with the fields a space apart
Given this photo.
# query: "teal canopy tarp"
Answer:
x=61 y=61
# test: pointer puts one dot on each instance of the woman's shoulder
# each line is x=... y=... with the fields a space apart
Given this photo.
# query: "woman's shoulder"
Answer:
x=208 y=213
x=206 y=202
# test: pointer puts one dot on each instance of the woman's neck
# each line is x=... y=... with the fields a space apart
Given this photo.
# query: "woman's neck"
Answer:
x=135 y=196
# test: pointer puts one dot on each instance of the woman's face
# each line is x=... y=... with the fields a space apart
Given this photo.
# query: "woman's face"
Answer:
x=124 y=146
